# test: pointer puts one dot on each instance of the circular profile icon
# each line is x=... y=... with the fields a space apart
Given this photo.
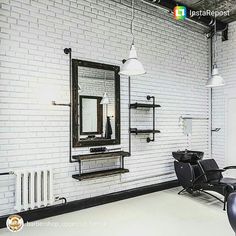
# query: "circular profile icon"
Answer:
x=15 y=223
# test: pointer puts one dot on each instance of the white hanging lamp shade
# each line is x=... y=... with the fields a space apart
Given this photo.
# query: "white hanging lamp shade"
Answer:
x=132 y=66
x=105 y=99
x=215 y=80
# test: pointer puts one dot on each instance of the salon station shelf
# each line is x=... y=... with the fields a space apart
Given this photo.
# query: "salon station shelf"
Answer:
x=97 y=174
x=101 y=173
x=100 y=155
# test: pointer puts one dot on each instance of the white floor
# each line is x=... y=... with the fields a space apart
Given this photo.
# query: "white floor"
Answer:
x=159 y=214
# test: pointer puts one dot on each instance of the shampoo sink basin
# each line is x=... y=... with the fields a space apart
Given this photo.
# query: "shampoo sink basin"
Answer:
x=188 y=156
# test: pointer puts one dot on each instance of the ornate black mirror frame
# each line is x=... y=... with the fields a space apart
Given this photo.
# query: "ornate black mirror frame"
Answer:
x=76 y=63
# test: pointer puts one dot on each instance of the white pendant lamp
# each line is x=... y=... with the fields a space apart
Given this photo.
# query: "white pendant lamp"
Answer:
x=132 y=65
x=215 y=80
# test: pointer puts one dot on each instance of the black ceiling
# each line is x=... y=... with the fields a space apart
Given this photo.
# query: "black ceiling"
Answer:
x=219 y=5
x=205 y=20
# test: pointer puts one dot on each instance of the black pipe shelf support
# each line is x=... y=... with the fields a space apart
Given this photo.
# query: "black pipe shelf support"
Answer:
x=68 y=51
x=152 y=106
x=6 y=173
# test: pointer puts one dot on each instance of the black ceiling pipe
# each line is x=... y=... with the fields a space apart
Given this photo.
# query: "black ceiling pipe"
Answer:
x=206 y=20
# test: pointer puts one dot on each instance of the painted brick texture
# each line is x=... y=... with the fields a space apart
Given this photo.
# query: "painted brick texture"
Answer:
x=34 y=71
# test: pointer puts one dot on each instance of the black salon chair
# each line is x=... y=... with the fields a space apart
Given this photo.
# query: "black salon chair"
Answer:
x=231 y=210
x=213 y=179
x=205 y=175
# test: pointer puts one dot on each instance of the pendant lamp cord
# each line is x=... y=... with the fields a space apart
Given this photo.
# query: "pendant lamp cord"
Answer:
x=215 y=29
x=105 y=81
x=132 y=23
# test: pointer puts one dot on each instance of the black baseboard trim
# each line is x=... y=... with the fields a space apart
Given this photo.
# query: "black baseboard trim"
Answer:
x=50 y=211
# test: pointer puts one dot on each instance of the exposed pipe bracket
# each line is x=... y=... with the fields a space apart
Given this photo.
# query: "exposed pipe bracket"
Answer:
x=216 y=130
x=70 y=105
x=61 y=104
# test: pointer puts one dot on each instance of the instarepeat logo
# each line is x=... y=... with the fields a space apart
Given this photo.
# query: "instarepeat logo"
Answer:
x=180 y=13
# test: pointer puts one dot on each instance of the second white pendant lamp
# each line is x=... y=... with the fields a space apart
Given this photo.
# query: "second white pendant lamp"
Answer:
x=105 y=99
x=216 y=79
x=132 y=65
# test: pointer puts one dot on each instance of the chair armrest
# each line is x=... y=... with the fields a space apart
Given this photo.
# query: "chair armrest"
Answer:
x=207 y=172
x=215 y=171
x=229 y=167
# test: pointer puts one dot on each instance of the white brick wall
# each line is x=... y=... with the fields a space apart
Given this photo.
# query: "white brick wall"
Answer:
x=34 y=70
x=226 y=57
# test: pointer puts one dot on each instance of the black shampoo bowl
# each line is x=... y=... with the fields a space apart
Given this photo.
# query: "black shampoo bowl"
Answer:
x=188 y=156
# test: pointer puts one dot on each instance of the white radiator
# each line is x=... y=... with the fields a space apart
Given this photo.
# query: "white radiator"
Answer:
x=34 y=189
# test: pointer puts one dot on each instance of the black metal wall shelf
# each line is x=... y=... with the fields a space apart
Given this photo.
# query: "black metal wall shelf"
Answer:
x=91 y=175
x=96 y=174
x=143 y=105
x=143 y=131
x=137 y=105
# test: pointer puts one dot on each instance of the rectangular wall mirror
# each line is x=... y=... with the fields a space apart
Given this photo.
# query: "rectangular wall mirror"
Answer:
x=96 y=104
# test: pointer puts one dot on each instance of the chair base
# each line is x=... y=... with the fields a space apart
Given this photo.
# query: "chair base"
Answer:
x=191 y=191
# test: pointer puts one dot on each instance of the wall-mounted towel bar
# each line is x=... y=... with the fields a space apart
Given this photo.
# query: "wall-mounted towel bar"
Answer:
x=193 y=118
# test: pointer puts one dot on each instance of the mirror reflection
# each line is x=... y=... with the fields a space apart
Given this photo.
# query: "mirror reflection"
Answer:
x=91 y=115
x=96 y=90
